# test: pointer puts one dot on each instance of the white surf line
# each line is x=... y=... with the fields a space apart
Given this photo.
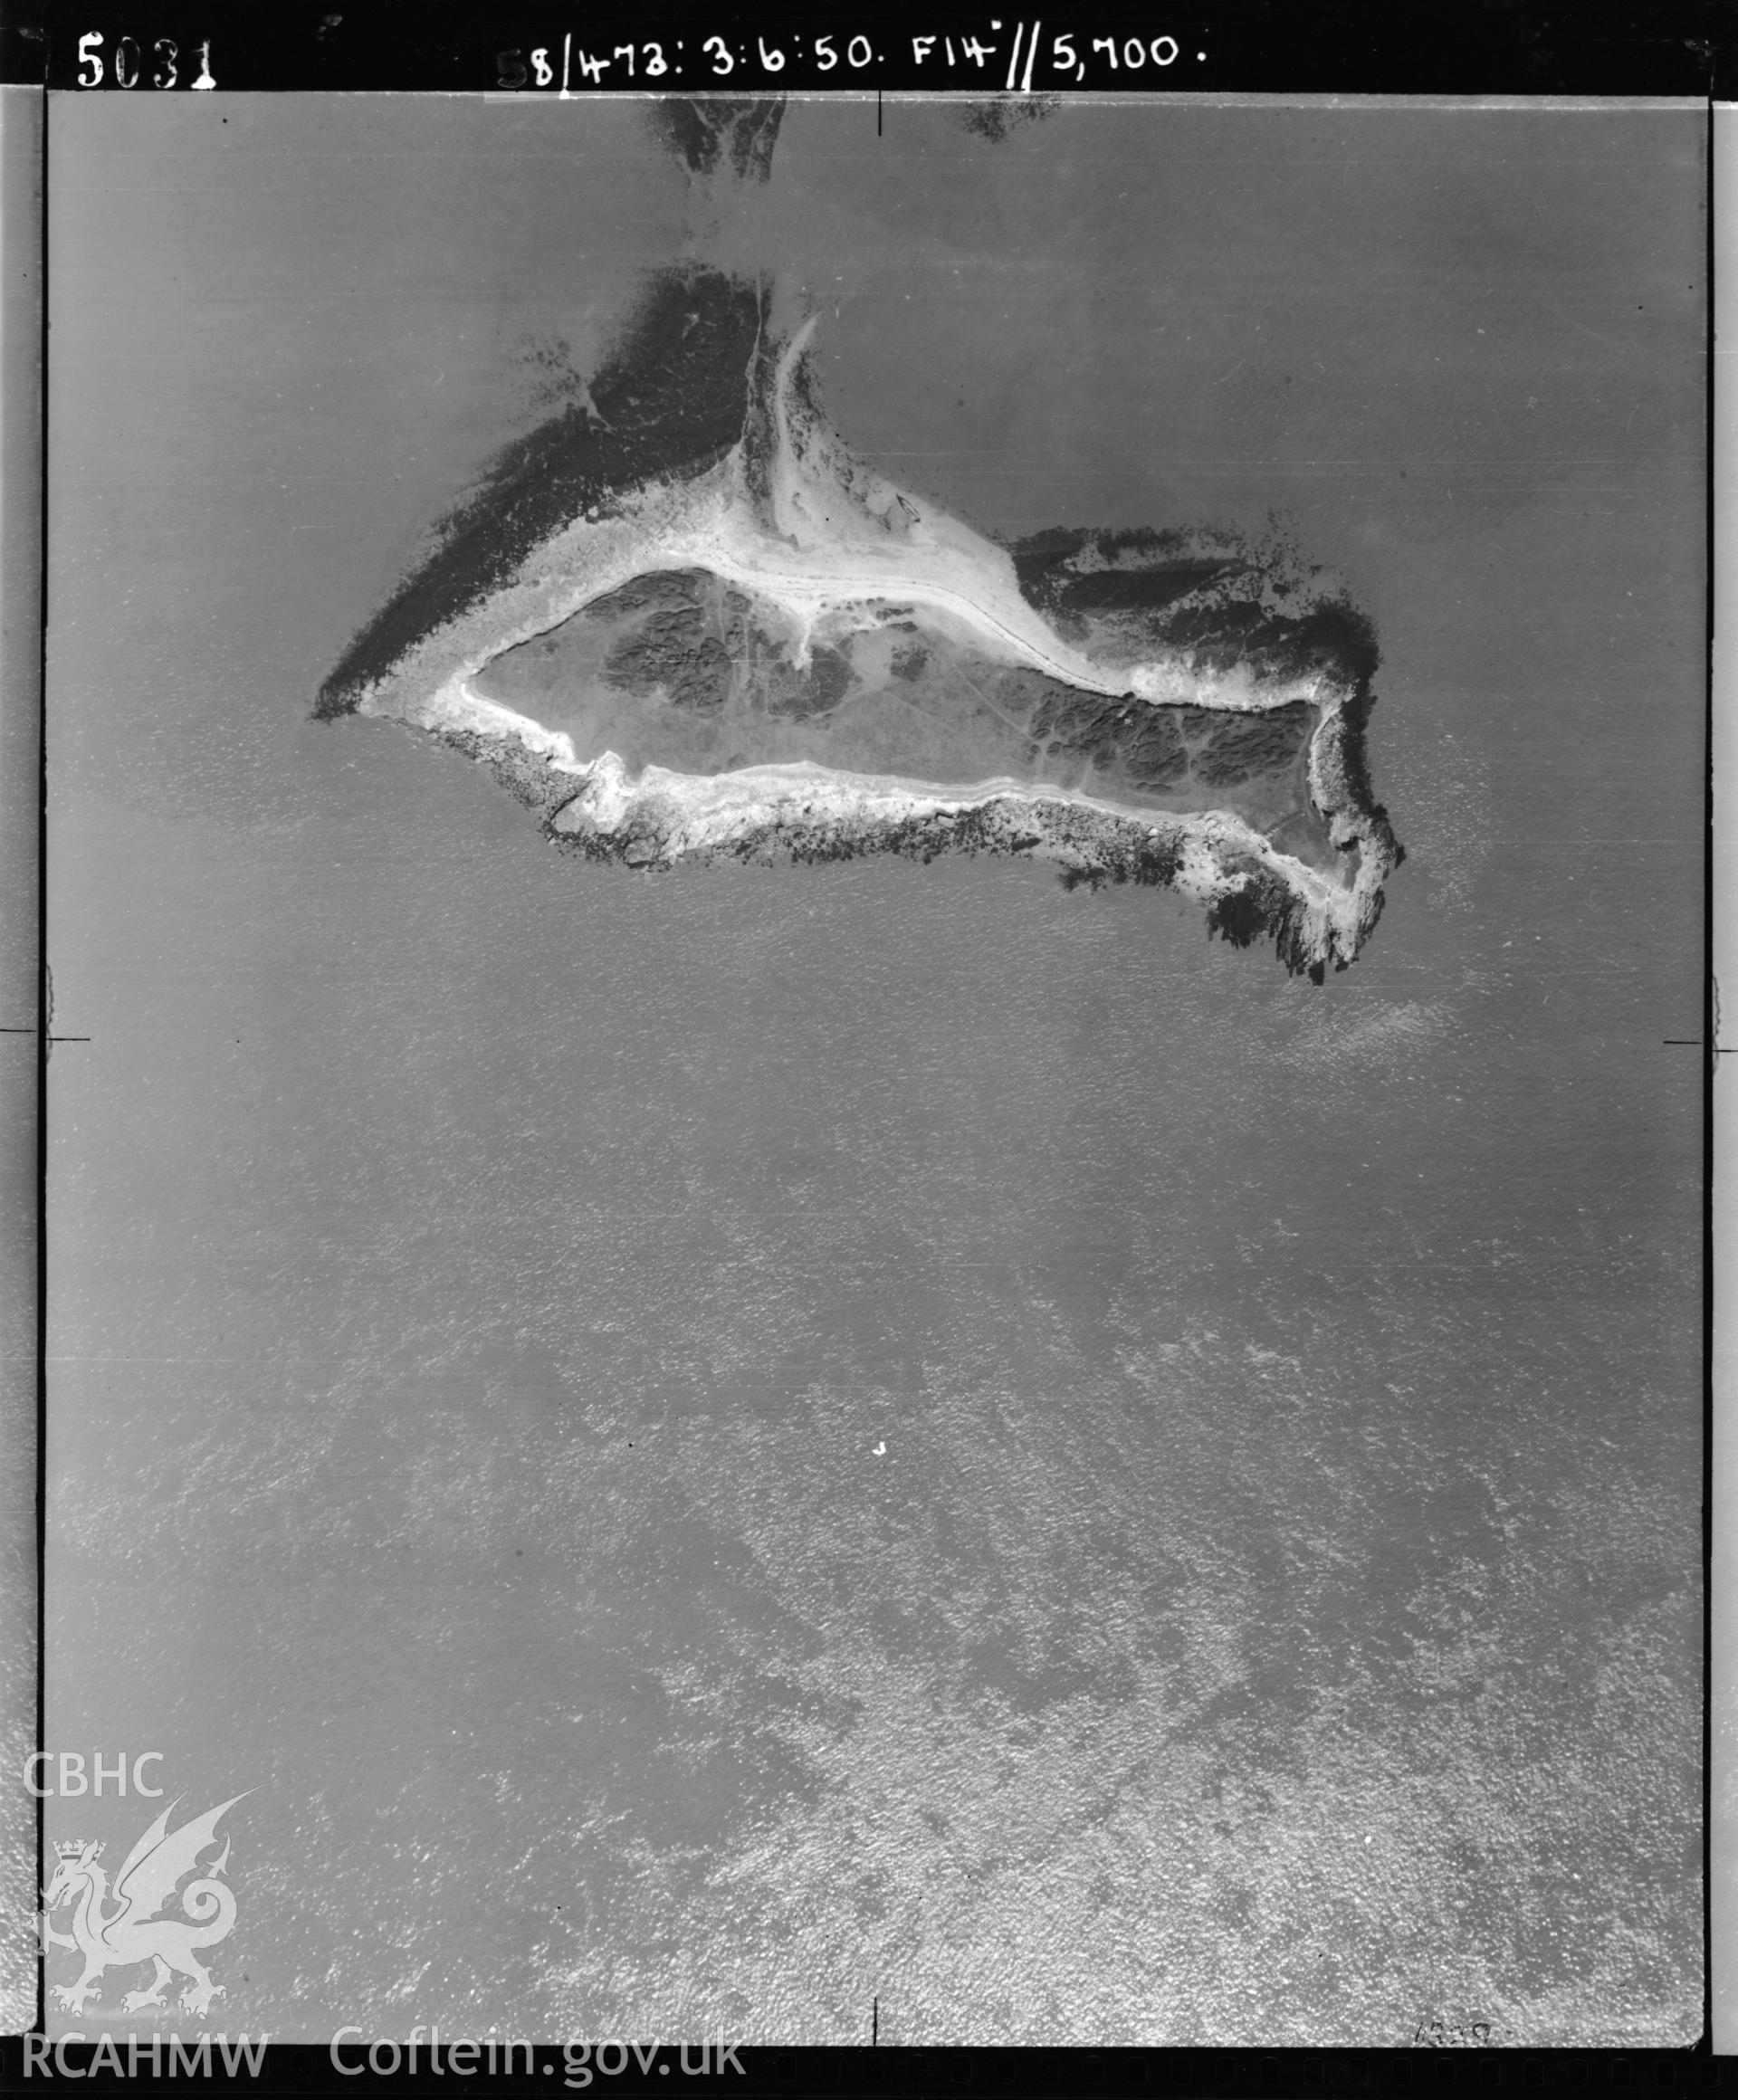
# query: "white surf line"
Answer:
x=815 y=500
x=709 y=809
x=457 y=706
x=824 y=558
x=812 y=585
x=837 y=594
x=469 y=710
x=735 y=547
x=821 y=588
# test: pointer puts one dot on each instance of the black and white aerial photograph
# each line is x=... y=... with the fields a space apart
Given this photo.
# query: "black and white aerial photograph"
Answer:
x=874 y=1098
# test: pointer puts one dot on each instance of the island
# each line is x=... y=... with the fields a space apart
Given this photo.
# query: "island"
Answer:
x=684 y=622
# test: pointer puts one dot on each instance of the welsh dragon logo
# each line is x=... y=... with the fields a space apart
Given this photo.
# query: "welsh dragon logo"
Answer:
x=134 y=1934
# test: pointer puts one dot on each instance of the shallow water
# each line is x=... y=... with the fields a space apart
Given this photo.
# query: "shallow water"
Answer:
x=480 y=1281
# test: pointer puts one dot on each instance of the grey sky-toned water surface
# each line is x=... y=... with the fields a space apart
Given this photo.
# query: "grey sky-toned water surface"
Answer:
x=481 y=1283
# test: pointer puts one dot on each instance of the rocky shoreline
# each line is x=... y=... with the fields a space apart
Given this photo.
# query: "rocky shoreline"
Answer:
x=704 y=476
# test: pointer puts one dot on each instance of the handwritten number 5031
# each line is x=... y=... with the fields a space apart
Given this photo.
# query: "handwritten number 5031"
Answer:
x=128 y=63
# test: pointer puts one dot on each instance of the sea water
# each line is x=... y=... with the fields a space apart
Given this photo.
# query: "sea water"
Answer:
x=727 y=1448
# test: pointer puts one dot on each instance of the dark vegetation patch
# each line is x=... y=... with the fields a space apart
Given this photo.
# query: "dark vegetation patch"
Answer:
x=1242 y=916
x=1354 y=755
x=1143 y=742
x=909 y=660
x=1154 y=747
x=658 y=586
x=1139 y=591
x=995 y=120
x=1041 y=568
x=676 y=649
x=1148 y=543
x=685 y=635
x=1239 y=747
x=703 y=132
x=1153 y=754
x=1044 y=562
x=1266 y=907
x=670 y=400
x=1153 y=864
x=1040 y=555
x=1354 y=748
x=802 y=693
x=1182 y=595
x=554 y=379
x=1332 y=636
